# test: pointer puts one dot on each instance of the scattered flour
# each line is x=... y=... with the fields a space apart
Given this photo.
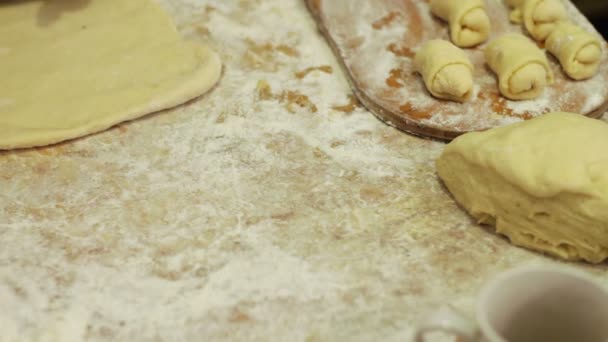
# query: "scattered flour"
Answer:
x=235 y=218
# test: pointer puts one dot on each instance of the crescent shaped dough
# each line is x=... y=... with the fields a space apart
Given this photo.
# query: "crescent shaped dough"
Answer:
x=540 y=17
x=73 y=68
x=579 y=52
x=521 y=67
x=468 y=20
x=543 y=183
x=446 y=70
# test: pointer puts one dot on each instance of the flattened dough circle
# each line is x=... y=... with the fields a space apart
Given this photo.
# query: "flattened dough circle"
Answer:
x=68 y=72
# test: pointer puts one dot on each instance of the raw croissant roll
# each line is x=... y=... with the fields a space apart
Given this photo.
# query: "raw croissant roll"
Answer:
x=540 y=17
x=468 y=20
x=446 y=70
x=522 y=68
x=579 y=52
x=515 y=16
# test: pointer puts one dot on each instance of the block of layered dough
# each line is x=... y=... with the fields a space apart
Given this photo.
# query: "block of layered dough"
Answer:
x=543 y=183
x=468 y=20
x=540 y=17
x=579 y=52
x=446 y=70
x=521 y=67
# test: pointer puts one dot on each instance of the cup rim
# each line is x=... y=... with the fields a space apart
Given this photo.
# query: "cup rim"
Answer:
x=482 y=318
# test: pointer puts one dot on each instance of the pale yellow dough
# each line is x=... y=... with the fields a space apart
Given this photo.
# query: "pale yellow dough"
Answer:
x=468 y=20
x=541 y=16
x=446 y=70
x=543 y=183
x=515 y=5
x=579 y=52
x=521 y=67
x=72 y=68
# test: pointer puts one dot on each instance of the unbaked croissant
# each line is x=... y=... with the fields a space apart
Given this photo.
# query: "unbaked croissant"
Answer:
x=540 y=17
x=578 y=51
x=521 y=67
x=468 y=20
x=446 y=70
x=515 y=15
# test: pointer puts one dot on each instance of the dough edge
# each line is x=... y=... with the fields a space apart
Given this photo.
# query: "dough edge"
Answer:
x=198 y=83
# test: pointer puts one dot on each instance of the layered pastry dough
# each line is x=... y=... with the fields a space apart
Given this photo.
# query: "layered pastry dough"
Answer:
x=468 y=20
x=445 y=69
x=578 y=51
x=543 y=183
x=540 y=17
x=521 y=67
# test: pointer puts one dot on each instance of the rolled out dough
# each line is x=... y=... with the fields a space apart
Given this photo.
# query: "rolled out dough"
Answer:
x=543 y=183
x=70 y=68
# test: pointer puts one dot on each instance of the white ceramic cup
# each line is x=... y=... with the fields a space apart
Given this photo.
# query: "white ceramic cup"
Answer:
x=532 y=304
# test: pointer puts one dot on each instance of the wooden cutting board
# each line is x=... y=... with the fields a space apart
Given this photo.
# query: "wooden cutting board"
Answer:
x=376 y=41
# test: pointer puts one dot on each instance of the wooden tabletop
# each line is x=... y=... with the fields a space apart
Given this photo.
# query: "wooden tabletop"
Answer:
x=273 y=209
